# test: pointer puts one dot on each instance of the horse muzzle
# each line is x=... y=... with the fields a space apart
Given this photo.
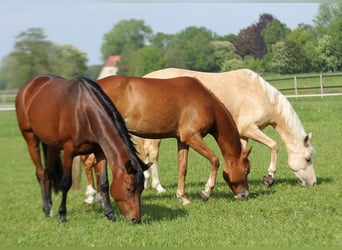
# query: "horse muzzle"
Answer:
x=243 y=195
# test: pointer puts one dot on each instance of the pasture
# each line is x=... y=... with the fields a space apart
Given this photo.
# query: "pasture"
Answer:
x=285 y=215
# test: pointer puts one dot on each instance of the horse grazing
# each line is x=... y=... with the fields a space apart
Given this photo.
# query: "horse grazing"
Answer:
x=254 y=105
x=182 y=108
x=77 y=117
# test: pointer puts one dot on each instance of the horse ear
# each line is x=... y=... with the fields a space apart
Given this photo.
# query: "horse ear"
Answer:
x=147 y=166
x=307 y=138
x=130 y=167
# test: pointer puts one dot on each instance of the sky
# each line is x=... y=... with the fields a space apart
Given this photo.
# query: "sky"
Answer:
x=84 y=23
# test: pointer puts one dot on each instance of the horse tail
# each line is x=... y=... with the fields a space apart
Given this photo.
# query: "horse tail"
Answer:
x=76 y=173
x=57 y=172
x=140 y=147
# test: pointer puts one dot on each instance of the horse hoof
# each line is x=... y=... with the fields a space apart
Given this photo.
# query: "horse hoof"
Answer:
x=62 y=219
x=268 y=180
x=111 y=217
x=204 y=195
x=185 y=201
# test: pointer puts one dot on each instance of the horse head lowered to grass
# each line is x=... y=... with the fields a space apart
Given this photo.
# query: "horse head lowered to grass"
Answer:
x=77 y=117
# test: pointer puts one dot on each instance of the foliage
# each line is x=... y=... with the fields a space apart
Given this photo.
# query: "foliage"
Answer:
x=250 y=41
x=34 y=55
x=125 y=36
x=274 y=32
x=307 y=48
x=286 y=215
x=147 y=59
x=288 y=57
x=192 y=49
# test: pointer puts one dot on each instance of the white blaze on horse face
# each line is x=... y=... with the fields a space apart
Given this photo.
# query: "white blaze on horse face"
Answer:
x=301 y=162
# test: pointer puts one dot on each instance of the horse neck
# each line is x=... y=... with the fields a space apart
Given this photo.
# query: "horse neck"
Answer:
x=227 y=135
x=288 y=126
x=111 y=143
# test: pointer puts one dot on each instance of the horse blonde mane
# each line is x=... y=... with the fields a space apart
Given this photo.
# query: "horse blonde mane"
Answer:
x=283 y=106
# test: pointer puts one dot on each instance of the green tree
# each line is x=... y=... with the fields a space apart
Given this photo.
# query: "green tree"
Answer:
x=147 y=59
x=288 y=57
x=225 y=56
x=29 y=58
x=126 y=36
x=274 y=32
x=335 y=32
x=325 y=59
x=192 y=49
x=67 y=61
x=327 y=13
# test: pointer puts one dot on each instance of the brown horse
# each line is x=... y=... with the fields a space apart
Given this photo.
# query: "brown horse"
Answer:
x=77 y=117
x=182 y=108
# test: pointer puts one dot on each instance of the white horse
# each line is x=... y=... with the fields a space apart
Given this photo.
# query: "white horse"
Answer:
x=240 y=90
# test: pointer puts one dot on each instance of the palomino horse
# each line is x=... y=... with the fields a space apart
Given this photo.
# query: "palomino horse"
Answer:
x=182 y=108
x=254 y=104
x=77 y=117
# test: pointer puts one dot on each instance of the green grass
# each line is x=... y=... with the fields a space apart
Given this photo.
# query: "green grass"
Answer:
x=286 y=215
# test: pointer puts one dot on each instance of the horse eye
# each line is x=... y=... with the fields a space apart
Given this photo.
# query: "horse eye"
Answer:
x=130 y=189
x=246 y=171
x=308 y=160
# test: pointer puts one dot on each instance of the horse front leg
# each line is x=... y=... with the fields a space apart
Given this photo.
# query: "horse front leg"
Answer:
x=65 y=183
x=197 y=143
x=103 y=186
x=183 y=151
x=257 y=135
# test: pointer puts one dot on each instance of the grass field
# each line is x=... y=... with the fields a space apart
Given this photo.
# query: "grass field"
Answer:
x=285 y=215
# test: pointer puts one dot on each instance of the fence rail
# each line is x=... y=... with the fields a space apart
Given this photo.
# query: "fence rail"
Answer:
x=309 y=86
x=322 y=85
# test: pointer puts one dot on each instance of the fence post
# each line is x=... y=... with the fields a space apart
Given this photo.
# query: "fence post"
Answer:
x=321 y=84
x=296 y=86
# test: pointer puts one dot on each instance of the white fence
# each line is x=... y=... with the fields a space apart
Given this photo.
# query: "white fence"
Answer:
x=310 y=86
x=7 y=102
x=303 y=86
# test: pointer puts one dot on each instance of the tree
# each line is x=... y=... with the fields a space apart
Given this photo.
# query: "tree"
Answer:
x=327 y=13
x=29 y=58
x=325 y=52
x=335 y=32
x=192 y=49
x=34 y=55
x=125 y=37
x=68 y=61
x=250 y=41
x=147 y=59
x=225 y=56
x=274 y=32
x=288 y=57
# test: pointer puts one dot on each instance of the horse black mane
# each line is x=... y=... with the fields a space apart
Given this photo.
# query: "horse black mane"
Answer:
x=115 y=116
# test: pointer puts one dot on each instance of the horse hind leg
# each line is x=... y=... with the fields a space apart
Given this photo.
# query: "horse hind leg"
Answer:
x=183 y=151
x=42 y=178
x=152 y=149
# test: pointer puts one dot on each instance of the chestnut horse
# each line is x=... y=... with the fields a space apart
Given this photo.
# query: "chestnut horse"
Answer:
x=254 y=105
x=182 y=108
x=77 y=117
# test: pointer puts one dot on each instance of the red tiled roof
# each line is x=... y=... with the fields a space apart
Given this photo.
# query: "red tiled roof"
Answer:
x=112 y=61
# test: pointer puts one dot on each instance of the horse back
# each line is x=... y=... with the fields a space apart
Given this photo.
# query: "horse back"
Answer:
x=161 y=105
